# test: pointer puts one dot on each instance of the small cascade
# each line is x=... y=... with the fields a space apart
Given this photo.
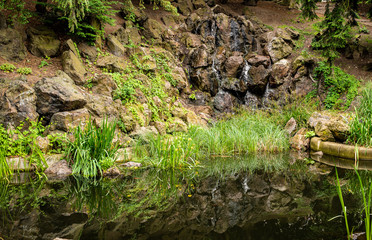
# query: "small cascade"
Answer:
x=234 y=36
x=244 y=76
x=215 y=70
x=245 y=186
x=266 y=96
x=214 y=190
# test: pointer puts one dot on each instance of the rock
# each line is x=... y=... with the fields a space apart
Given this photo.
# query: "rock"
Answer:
x=191 y=40
x=111 y=172
x=114 y=46
x=291 y=126
x=250 y=2
x=278 y=49
x=223 y=102
x=259 y=79
x=299 y=141
x=293 y=33
x=102 y=106
x=3 y=24
x=103 y=84
x=161 y=127
x=153 y=29
x=176 y=125
x=73 y=66
x=58 y=94
x=251 y=100
x=179 y=112
x=279 y=72
x=234 y=84
x=11 y=45
x=184 y=7
x=66 y=121
x=192 y=119
x=43 y=143
x=317 y=117
x=124 y=154
x=204 y=79
x=128 y=35
x=111 y=63
x=140 y=16
x=17 y=103
x=259 y=60
x=323 y=132
x=88 y=51
x=339 y=126
x=69 y=45
x=199 y=4
x=43 y=41
x=132 y=164
x=59 y=169
x=199 y=58
x=143 y=132
x=233 y=64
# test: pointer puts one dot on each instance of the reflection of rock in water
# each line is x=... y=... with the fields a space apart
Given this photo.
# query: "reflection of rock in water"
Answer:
x=242 y=206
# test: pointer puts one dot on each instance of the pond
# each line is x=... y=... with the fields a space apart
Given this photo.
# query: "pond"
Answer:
x=253 y=197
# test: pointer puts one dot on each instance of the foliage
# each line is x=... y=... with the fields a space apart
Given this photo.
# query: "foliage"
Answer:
x=5 y=171
x=7 y=67
x=310 y=134
x=23 y=143
x=24 y=70
x=45 y=62
x=338 y=84
x=16 y=11
x=92 y=149
x=361 y=125
x=339 y=192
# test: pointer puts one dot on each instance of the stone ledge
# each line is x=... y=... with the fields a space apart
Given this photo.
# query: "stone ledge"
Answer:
x=340 y=150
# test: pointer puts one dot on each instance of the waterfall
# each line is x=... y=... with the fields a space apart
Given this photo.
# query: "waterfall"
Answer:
x=234 y=36
x=244 y=76
x=265 y=98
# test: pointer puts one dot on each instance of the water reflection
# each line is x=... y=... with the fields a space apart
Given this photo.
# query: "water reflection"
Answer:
x=256 y=197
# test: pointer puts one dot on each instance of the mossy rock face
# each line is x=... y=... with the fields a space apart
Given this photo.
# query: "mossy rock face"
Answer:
x=43 y=41
x=11 y=45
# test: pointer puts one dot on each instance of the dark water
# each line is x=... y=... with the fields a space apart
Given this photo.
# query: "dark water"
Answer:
x=260 y=197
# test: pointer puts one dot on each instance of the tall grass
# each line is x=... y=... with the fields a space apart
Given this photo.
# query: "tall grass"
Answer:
x=339 y=192
x=92 y=149
x=243 y=134
x=5 y=171
x=361 y=125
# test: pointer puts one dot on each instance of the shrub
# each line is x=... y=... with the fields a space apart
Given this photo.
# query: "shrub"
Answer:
x=361 y=125
x=92 y=149
x=24 y=71
x=7 y=67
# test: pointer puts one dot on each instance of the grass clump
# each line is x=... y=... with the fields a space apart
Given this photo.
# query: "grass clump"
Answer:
x=361 y=125
x=246 y=133
x=92 y=149
x=7 y=67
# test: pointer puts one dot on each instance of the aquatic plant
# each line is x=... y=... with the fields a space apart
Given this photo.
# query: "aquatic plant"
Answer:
x=92 y=148
x=361 y=125
x=339 y=192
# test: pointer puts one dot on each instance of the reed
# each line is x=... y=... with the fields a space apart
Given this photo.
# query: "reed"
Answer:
x=92 y=149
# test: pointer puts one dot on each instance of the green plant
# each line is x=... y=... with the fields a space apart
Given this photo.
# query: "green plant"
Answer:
x=310 y=134
x=16 y=11
x=192 y=96
x=7 y=67
x=337 y=83
x=339 y=192
x=24 y=71
x=5 y=170
x=361 y=124
x=45 y=62
x=92 y=149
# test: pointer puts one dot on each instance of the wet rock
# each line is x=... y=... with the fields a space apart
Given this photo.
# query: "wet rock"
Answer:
x=199 y=58
x=59 y=170
x=291 y=126
x=17 y=103
x=251 y=100
x=223 y=102
x=233 y=64
x=279 y=72
x=58 y=94
x=234 y=84
x=191 y=40
x=73 y=66
x=43 y=41
x=259 y=79
x=204 y=79
x=111 y=63
x=299 y=141
x=259 y=60
x=114 y=46
x=66 y=121
x=11 y=45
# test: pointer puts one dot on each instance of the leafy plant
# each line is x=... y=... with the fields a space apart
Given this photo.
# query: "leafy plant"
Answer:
x=16 y=11
x=7 y=67
x=310 y=134
x=45 y=62
x=337 y=83
x=92 y=149
x=24 y=71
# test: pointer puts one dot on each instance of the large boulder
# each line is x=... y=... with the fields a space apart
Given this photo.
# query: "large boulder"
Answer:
x=279 y=72
x=278 y=49
x=339 y=126
x=11 y=45
x=115 y=46
x=103 y=84
x=199 y=58
x=58 y=94
x=73 y=66
x=17 y=103
x=223 y=101
x=111 y=63
x=259 y=79
x=257 y=60
x=299 y=141
x=65 y=121
x=127 y=35
x=153 y=29
x=43 y=41
x=233 y=64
